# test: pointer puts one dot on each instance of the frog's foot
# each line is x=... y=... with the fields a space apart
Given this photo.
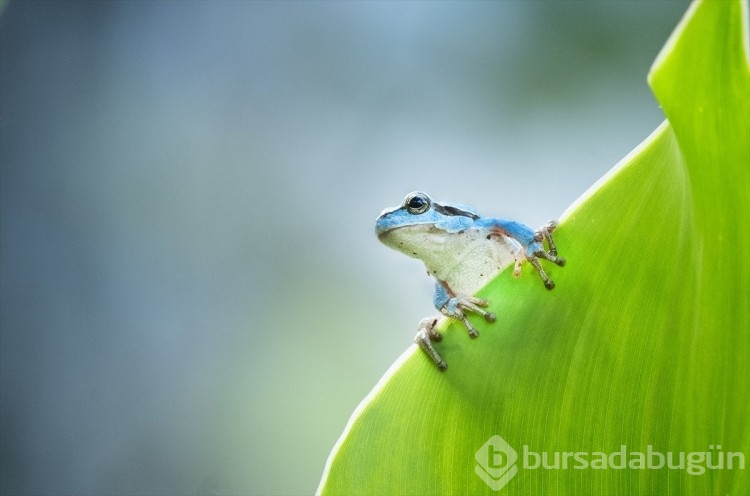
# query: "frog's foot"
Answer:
x=458 y=305
x=426 y=333
x=545 y=232
x=536 y=251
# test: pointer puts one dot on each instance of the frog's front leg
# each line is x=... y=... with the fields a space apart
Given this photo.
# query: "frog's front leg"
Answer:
x=455 y=305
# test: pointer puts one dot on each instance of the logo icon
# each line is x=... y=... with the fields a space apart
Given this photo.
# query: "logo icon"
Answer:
x=496 y=462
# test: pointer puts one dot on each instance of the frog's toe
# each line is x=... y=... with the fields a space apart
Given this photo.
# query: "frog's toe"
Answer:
x=475 y=305
x=473 y=333
x=560 y=261
x=549 y=284
x=490 y=317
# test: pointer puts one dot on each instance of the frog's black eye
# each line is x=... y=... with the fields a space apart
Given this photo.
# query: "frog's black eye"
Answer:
x=417 y=203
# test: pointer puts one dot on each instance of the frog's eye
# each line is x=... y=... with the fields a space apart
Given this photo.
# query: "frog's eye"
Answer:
x=417 y=203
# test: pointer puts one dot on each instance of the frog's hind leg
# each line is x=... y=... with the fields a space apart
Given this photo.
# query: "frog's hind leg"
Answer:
x=545 y=232
x=426 y=334
x=536 y=251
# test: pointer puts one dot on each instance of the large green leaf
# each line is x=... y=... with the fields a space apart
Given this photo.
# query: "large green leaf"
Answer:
x=644 y=342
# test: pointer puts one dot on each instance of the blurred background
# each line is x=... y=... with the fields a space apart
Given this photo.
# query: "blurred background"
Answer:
x=193 y=300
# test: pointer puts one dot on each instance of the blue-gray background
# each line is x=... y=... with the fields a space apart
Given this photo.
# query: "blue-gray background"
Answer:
x=193 y=300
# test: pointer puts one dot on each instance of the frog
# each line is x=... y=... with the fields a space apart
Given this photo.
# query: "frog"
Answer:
x=463 y=251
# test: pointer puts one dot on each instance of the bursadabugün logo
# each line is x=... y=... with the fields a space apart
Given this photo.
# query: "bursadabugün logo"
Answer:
x=497 y=461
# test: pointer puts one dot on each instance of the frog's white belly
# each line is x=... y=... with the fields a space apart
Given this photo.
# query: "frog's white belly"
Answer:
x=466 y=261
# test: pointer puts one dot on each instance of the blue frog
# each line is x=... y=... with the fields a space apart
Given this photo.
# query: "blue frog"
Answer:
x=463 y=251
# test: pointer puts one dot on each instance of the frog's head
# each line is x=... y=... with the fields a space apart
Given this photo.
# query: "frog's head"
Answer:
x=420 y=220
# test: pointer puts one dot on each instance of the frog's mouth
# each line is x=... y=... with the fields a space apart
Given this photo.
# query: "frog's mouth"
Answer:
x=411 y=239
x=386 y=235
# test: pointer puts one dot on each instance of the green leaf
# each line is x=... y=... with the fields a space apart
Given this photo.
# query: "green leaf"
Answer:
x=645 y=341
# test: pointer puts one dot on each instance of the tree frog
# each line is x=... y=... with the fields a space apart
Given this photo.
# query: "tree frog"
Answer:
x=463 y=251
